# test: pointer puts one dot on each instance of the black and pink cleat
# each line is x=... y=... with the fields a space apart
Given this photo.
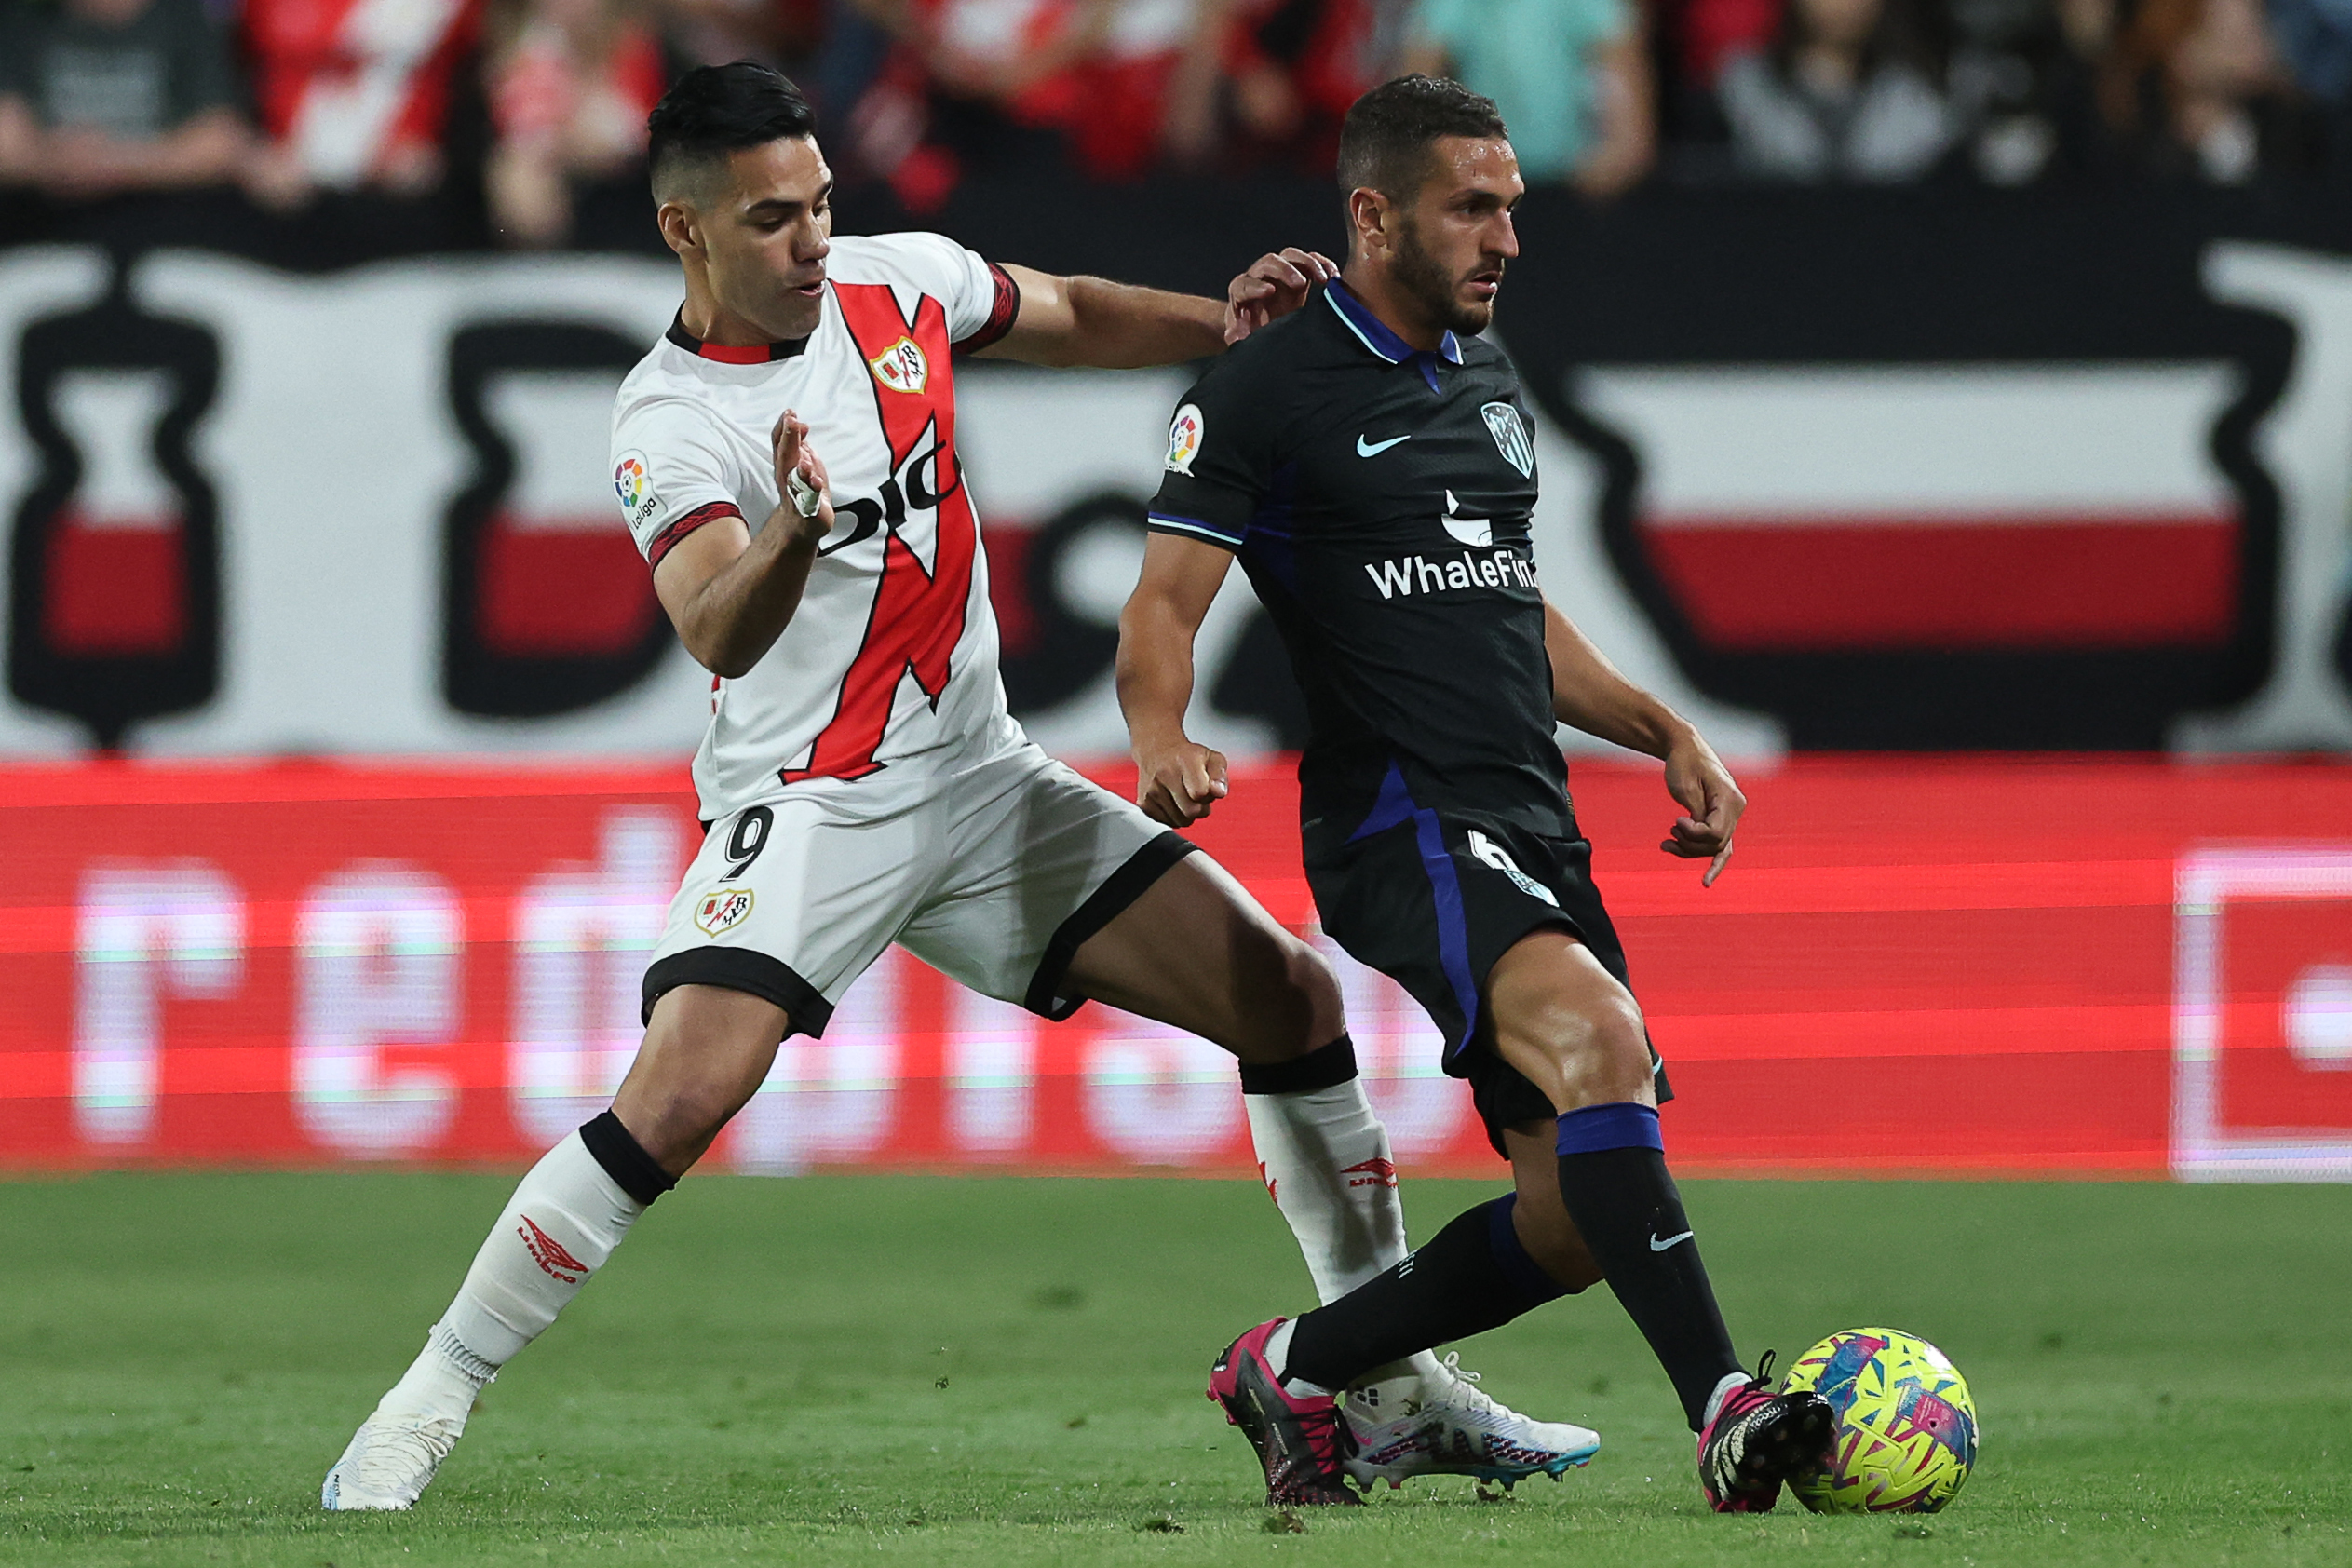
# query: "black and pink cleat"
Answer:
x=1303 y=1441
x=1758 y=1440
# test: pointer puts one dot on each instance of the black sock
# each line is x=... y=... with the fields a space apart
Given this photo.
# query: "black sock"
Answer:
x=1612 y=1175
x=1473 y=1276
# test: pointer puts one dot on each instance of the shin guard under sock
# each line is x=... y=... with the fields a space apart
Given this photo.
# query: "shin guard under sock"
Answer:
x=1613 y=1179
x=1471 y=1276
x=564 y=1220
x=1324 y=1157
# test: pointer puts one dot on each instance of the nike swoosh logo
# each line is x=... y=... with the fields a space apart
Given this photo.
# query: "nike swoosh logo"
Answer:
x=1373 y=448
x=1657 y=1246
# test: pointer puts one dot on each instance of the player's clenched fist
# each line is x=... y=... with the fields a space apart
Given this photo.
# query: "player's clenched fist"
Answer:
x=1177 y=786
x=1275 y=285
x=800 y=477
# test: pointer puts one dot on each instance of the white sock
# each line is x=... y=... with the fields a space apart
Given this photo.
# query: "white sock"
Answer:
x=560 y=1225
x=442 y=1381
x=1324 y=1157
x=1732 y=1384
x=1277 y=1359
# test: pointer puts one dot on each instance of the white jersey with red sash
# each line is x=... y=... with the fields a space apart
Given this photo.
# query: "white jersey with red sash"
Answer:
x=886 y=677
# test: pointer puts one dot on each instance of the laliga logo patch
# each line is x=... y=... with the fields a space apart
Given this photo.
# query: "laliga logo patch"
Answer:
x=723 y=909
x=634 y=485
x=1184 y=439
x=902 y=367
x=1510 y=437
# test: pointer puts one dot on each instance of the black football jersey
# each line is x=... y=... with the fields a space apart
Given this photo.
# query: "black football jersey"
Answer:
x=1379 y=498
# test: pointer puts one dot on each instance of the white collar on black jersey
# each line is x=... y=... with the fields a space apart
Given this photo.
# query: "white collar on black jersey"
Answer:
x=1374 y=332
x=729 y=354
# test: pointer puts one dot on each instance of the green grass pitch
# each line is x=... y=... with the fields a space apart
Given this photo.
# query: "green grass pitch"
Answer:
x=850 y=1369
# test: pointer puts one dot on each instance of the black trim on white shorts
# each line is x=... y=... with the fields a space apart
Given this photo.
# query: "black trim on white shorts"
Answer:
x=1103 y=905
x=739 y=968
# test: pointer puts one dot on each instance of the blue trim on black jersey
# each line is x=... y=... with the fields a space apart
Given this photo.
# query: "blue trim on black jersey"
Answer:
x=1375 y=333
x=1167 y=522
x=1393 y=807
x=1270 y=540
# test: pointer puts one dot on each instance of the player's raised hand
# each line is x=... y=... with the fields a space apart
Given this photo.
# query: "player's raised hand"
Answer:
x=1275 y=285
x=1698 y=779
x=799 y=476
x=1176 y=785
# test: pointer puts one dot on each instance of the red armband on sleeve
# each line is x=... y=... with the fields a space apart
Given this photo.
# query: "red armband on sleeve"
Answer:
x=1001 y=313
x=677 y=528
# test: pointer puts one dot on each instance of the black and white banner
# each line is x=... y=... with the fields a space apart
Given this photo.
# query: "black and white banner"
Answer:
x=368 y=512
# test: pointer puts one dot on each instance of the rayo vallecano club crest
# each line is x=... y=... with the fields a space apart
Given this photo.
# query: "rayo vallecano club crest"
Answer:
x=1510 y=437
x=902 y=367
x=722 y=908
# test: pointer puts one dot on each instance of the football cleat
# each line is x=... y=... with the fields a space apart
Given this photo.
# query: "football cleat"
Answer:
x=391 y=1458
x=1301 y=1440
x=1758 y=1440
x=389 y=1461
x=1427 y=1427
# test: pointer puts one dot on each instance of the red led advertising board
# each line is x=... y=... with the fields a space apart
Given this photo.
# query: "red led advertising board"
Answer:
x=2095 y=967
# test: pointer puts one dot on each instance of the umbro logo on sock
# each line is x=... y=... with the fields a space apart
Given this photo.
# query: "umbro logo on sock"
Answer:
x=548 y=1253
x=1371 y=1173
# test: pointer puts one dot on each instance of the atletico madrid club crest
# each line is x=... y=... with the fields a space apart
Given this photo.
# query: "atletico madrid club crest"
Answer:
x=1510 y=437
x=723 y=909
x=902 y=367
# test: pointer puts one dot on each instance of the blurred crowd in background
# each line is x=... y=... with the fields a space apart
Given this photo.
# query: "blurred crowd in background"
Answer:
x=540 y=104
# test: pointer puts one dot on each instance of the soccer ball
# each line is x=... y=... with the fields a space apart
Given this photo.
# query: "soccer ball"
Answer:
x=1906 y=1427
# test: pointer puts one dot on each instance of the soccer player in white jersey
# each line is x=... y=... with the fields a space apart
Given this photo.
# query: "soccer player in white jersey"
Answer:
x=862 y=780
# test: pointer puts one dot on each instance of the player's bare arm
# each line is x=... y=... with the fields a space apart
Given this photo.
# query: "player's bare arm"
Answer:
x=1588 y=694
x=1094 y=322
x=731 y=594
x=1177 y=779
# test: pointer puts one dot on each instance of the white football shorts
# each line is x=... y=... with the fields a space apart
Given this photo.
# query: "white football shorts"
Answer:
x=995 y=879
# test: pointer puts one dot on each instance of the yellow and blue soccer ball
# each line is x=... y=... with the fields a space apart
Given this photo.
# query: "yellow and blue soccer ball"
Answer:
x=1906 y=1427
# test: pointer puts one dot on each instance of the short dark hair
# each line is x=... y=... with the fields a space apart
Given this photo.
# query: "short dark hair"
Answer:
x=715 y=109
x=1385 y=143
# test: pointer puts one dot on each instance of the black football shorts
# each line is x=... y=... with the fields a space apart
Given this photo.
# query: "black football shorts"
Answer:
x=1433 y=901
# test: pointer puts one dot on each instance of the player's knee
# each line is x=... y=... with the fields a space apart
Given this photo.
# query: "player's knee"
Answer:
x=1302 y=1011
x=1598 y=1048
x=1316 y=987
x=676 y=1124
x=1285 y=1001
x=1620 y=1035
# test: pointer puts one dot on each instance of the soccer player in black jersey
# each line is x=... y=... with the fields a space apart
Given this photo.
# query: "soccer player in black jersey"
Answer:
x=1368 y=459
